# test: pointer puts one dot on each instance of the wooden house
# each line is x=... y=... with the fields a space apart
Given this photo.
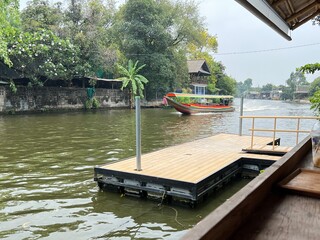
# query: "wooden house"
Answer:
x=198 y=73
x=301 y=92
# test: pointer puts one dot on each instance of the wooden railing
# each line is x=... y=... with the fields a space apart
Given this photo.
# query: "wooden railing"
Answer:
x=297 y=130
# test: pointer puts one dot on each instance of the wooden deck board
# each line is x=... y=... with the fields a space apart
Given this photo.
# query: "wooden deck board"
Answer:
x=193 y=161
x=264 y=149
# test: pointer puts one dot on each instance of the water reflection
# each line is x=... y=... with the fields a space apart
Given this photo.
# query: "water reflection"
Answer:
x=46 y=178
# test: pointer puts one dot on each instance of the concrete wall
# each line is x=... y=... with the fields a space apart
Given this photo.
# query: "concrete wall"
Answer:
x=2 y=97
x=55 y=98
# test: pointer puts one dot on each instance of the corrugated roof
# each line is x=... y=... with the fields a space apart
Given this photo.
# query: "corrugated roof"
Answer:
x=104 y=79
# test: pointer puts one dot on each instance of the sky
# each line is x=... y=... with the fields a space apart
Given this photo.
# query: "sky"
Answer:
x=237 y=30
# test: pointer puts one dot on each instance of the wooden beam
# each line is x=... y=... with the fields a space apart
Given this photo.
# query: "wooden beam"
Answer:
x=290 y=7
x=302 y=11
x=306 y=20
x=277 y=3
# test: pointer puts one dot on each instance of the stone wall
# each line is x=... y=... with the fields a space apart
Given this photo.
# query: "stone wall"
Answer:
x=2 y=97
x=56 y=98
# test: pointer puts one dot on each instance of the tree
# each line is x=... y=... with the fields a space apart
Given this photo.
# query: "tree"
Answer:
x=315 y=102
x=10 y=23
x=88 y=25
x=225 y=84
x=296 y=79
x=143 y=37
x=39 y=14
x=131 y=79
x=314 y=89
x=268 y=87
x=156 y=33
x=244 y=87
x=309 y=68
x=42 y=56
x=315 y=86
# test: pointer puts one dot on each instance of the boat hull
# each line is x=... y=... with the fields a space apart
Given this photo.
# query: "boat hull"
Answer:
x=198 y=108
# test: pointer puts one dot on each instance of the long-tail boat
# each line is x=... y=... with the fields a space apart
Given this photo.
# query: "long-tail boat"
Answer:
x=194 y=103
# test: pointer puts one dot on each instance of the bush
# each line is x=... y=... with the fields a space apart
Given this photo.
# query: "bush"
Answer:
x=92 y=103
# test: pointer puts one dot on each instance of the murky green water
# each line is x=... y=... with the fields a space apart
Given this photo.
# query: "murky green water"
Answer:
x=46 y=176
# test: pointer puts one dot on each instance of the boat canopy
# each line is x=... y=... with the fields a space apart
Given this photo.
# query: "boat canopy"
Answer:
x=172 y=94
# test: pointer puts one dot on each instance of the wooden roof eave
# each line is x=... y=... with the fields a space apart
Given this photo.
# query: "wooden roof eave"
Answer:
x=280 y=27
x=283 y=15
x=306 y=20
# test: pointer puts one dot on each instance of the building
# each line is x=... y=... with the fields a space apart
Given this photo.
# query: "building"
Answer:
x=198 y=73
x=301 y=92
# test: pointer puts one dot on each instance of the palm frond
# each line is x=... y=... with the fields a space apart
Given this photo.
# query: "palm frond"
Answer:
x=134 y=87
x=125 y=82
x=123 y=70
x=132 y=79
x=142 y=78
x=139 y=68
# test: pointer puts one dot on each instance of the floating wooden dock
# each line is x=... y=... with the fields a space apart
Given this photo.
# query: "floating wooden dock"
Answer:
x=187 y=171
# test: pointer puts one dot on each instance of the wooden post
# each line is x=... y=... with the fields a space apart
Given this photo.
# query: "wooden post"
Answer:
x=241 y=114
x=252 y=132
x=298 y=127
x=274 y=132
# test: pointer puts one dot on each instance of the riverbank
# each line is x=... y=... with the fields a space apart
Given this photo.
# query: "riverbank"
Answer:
x=61 y=99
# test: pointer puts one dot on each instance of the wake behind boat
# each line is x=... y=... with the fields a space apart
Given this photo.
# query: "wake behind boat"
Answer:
x=194 y=103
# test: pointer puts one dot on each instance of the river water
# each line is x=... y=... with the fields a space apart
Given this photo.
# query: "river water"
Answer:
x=46 y=176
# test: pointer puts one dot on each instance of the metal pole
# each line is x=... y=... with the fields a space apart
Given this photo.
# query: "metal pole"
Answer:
x=241 y=114
x=138 y=134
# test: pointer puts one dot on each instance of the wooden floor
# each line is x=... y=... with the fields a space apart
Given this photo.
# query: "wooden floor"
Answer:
x=264 y=210
x=193 y=161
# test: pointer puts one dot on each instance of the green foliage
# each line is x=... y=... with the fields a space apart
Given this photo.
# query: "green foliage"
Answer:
x=41 y=55
x=315 y=86
x=92 y=103
x=39 y=14
x=244 y=87
x=156 y=33
x=10 y=22
x=88 y=25
x=225 y=85
x=85 y=23
x=143 y=37
x=315 y=102
x=186 y=23
x=132 y=80
x=85 y=37
x=296 y=79
x=95 y=103
x=186 y=100
x=12 y=87
x=309 y=68
x=268 y=87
